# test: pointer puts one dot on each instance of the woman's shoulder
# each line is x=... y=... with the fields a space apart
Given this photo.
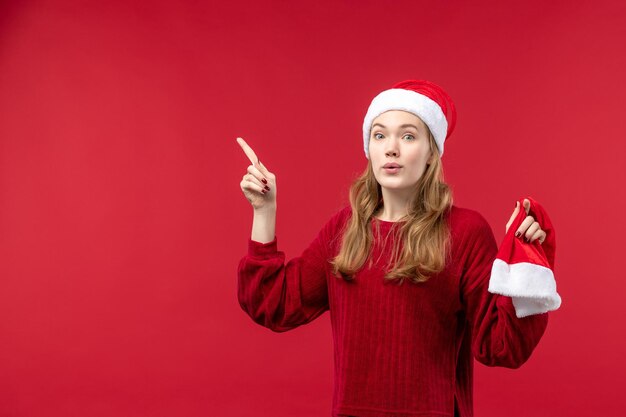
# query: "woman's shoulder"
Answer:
x=464 y=218
x=339 y=217
x=460 y=218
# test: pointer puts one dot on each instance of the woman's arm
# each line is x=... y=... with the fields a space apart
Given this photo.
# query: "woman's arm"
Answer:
x=264 y=224
x=279 y=295
x=499 y=337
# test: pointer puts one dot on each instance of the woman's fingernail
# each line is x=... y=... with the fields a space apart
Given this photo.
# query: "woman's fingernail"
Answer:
x=267 y=188
x=518 y=234
x=264 y=181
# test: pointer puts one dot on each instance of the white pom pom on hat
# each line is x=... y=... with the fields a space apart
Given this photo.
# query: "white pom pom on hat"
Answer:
x=424 y=99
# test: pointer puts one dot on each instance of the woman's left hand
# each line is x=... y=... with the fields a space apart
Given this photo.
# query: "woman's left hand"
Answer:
x=529 y=230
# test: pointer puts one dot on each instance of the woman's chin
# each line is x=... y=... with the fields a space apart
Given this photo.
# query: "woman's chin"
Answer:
x=393 y=187
x=396 y=185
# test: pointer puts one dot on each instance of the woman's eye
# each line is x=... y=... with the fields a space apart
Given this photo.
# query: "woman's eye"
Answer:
x=379 y=135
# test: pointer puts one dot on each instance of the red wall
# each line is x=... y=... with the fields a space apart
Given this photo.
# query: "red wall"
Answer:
x=122 y=221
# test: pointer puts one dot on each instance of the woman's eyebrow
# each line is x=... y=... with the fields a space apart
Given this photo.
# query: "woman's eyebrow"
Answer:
x=401 y=126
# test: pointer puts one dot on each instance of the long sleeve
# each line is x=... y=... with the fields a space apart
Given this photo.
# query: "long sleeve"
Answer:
x=499 y=337
x=279 y=295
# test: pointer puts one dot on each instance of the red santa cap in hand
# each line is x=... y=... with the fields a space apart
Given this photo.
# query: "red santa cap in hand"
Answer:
x=525 y=271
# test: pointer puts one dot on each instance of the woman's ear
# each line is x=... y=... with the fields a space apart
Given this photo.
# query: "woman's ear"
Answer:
x=430 y=159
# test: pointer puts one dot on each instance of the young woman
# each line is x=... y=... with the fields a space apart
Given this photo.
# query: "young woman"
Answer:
x=406 y=274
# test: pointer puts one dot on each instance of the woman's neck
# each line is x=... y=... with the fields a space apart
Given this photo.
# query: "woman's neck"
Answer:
x=395 y=205
x=388 y=216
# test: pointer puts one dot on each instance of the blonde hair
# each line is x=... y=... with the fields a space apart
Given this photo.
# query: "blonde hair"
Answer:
x=425 y=233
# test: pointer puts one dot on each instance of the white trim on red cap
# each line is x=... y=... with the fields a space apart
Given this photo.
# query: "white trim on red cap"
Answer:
x=531 y=286
x=400 y=99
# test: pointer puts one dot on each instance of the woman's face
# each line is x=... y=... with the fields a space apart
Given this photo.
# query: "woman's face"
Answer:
x=399 y=137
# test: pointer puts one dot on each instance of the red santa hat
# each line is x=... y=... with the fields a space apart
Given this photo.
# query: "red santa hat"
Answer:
x=525 y=271
x=424 y=99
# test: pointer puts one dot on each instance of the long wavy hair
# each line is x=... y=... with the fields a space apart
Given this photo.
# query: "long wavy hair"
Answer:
x=425 y=232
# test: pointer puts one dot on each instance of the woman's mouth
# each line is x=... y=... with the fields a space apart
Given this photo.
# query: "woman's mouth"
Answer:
x=392 y=170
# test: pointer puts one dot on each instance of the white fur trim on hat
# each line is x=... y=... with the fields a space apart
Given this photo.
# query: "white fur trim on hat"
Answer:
x=400 y=99
x=532 y=287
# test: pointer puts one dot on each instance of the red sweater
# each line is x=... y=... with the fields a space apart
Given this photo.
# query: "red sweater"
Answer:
x=400 y=350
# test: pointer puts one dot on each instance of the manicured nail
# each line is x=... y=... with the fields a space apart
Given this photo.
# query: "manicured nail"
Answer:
x=264 y=181
x=267 y=188
x=518 y=234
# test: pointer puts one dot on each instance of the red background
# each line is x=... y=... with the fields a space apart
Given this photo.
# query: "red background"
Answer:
x=122 y=220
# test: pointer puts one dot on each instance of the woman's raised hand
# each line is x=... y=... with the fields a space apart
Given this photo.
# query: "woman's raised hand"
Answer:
x=258 y=185
x=530 y=228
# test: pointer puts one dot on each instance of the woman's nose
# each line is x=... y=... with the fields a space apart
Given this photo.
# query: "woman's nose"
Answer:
x=391 y=147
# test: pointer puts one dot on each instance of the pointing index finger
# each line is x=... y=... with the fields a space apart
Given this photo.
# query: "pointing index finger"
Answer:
x=513 y=215
x=248 y=151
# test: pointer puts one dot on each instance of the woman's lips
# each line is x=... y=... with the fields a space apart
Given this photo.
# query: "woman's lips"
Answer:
x=392 y=170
